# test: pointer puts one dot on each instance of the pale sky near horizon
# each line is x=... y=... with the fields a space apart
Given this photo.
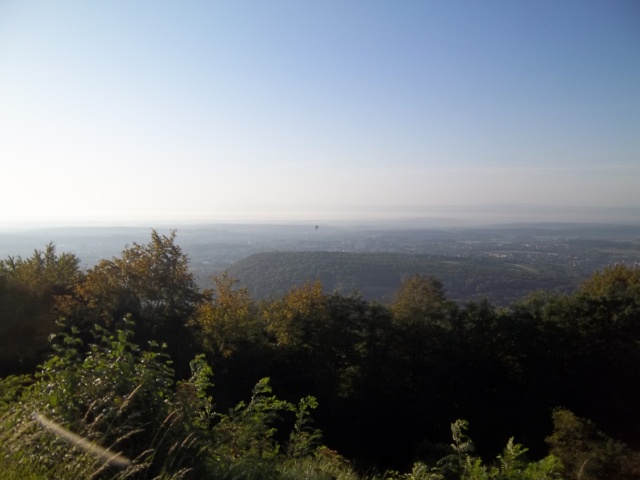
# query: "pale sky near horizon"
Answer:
x=119 y=111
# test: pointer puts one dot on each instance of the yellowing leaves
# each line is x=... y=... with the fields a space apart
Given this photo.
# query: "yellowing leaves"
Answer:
x=290 y=317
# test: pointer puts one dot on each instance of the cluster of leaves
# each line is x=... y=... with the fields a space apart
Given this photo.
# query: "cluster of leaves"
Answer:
x=461 y=463
x=27 y=308
x=121 y=402
x=589 y=454
x=111 y=393
x=152 y=284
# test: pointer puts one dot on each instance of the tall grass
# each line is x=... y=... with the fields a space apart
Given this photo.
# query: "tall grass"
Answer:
x=34 y=447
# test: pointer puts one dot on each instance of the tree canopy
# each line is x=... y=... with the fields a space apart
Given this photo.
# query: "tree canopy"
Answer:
x=138 y=342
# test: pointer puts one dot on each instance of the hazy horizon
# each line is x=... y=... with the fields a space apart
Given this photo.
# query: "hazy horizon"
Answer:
x=164 y=113
x=415 y=217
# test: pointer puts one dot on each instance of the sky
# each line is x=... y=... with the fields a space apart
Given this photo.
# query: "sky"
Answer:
x=140 y=111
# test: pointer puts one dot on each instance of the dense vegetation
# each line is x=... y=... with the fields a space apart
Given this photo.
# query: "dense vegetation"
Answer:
x=185 y=382
x=377 y=276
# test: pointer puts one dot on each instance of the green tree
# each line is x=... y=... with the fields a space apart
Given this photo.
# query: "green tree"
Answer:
x=589 y=454
x=150 y=282
x=293 y=320
x=228 y=320
x=28 y=289
x=229 y=330
x=618 y=283
x=423 y=318
x=422 y=300
x=604 y=329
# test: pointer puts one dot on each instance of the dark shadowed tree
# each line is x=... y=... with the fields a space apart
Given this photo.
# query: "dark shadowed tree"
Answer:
x=28 y=288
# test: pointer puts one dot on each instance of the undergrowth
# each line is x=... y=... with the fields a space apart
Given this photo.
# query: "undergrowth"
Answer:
x=109 y=409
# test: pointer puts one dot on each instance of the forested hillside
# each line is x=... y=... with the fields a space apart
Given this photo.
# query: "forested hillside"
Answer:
x=180 y=382
x=377 y=276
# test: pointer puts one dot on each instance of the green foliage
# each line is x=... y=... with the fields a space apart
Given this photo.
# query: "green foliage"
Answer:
x=192 y=398
x=462 y=445
x=108 y=374
x=293 y=319
x=28 y=289
x=377 y=276
x=325 y=464
x=589 y=454
x=43 y=271
x=618 y=282
x=248 y=429
x=510 y=465
x=461 y=464
x=151 y=283
x=112 y=394
x=373 y=369
x=304 y=439
x=228 y=321
x=421 y=471
x=421 y=300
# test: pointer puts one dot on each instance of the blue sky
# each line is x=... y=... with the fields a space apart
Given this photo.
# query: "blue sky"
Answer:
x=149 y=111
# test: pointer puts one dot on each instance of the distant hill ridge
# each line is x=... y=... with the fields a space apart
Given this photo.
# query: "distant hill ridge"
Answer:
x=376 y=276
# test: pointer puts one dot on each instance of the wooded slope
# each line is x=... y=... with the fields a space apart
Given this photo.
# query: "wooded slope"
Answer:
x=377 y=276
